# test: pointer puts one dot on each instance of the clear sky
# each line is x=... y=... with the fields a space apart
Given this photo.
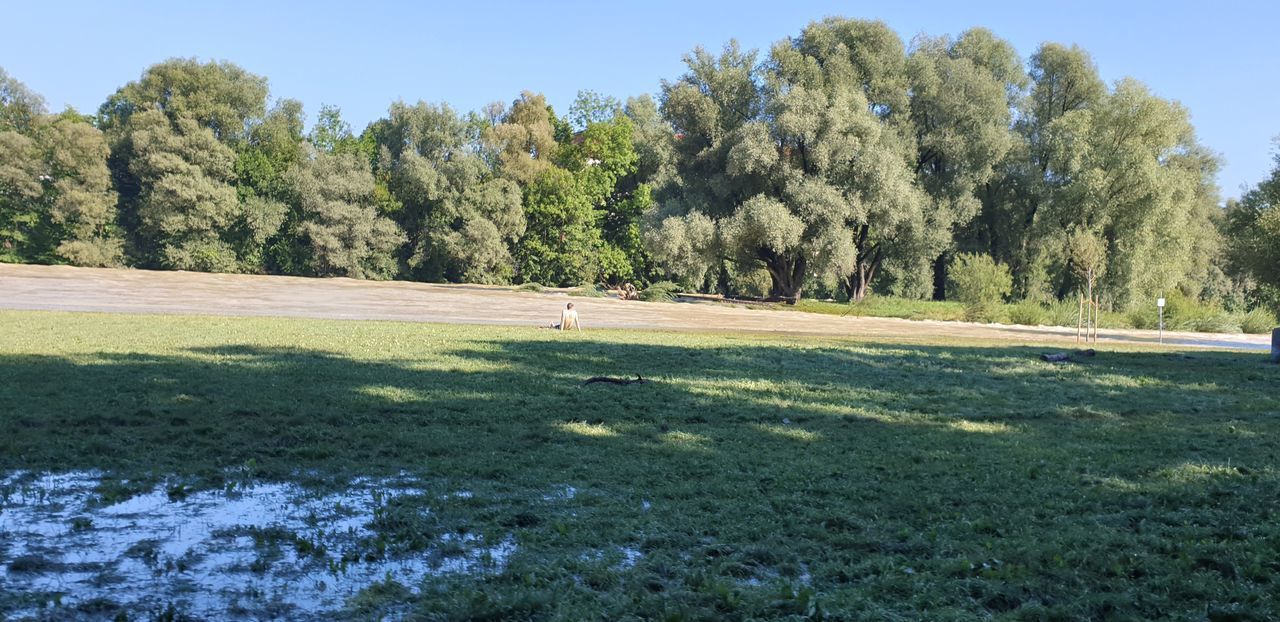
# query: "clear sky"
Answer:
x=1220 y=59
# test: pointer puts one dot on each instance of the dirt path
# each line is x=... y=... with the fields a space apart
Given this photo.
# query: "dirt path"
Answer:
x=65 y=288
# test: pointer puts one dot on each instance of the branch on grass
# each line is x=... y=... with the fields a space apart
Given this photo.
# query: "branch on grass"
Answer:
x=637 y=380
x=1060 y=357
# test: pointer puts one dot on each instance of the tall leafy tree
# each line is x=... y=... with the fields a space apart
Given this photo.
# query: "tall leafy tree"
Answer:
x=462 y=220
x=340 y=228
x=524 y=141
x=1129 y=170
x=1064 y=84
x=176 y=135
x=56 y=202
x=219 y=96
x=1252 y=227
x=82 y=206
x=803 y=164
x=960 y=113
x=185 y=202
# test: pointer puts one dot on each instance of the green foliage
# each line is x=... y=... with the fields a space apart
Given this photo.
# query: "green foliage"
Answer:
x=979 y=283
x=662 y=291
x=56 y=200
x=1183 y=313
x=524 y=141
x=839 y=159
x=1259 y=321
x=588 y=291
x=1028 y=314
x=461 y=220
x=1252 y=227
x=218 y=96
x=186 y=203
x=339 y=228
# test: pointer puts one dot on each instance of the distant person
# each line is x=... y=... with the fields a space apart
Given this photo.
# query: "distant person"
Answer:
x=568 y=319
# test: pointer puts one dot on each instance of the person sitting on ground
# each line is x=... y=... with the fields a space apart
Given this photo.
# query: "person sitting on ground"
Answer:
x=568 y=319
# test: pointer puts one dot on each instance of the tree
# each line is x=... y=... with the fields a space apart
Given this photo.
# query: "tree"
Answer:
x=1253 y=228
x=339 y=225
x=590 y=107
x=56 y=202
x=801 y=163
x=20 y=108
x=186 y=203
x=462 y=220
x=1064 y=84
x=82 y=205
x=960 y=112
x=219 y=96
x=1129 y=169
x=980 y=283
x=267 y=235
x=331 y=134
x=525 y=140
x=178 y=136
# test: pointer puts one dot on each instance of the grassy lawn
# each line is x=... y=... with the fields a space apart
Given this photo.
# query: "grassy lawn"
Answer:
x=751 y=478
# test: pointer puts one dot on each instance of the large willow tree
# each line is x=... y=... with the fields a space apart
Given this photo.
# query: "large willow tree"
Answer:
x=839 y=157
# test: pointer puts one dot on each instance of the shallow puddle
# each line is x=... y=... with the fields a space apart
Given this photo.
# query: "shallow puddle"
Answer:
x=267 y=550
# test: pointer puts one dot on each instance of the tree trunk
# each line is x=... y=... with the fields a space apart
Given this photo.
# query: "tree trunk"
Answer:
x=786 y=275
x=940 y=276
x=858 y=284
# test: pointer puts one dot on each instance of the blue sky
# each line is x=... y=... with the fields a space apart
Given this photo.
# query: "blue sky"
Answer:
x=1219 y=59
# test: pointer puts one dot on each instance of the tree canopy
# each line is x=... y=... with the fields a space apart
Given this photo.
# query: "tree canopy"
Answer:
x=841 y=162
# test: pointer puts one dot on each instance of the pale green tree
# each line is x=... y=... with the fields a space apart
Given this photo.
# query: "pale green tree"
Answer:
x=186 y=203
x=1064 y=83
x=56 y=201
x=461 y=219
x=339 y=226
x=524 y=141
x=20 y=107
x=180 y=136
x=82 y=205
x=219 y=96
x=1129 y=168
x=961 y=93
x=803 y=164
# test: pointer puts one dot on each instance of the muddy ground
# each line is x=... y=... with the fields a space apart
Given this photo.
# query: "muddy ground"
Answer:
x=65 y=288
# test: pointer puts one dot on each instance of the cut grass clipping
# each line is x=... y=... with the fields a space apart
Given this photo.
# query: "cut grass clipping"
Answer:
x=754 y=478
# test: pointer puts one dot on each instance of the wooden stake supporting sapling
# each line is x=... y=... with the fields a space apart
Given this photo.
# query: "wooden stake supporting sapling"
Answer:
x=1088 y=254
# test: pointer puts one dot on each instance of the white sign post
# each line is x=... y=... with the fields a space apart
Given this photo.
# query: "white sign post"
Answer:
x=1160 y=306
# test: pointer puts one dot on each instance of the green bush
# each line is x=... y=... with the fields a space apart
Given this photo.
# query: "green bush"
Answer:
x=588 y=291
x=1258 y=321
x=980 y=283
x=1028 y=314
x=662 y=291
x=1145 y=318
x=1187 y=314
x=749 y=283
x=532 y=286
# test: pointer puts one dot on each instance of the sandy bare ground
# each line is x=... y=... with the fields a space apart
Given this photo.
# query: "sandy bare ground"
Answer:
x=63 y=288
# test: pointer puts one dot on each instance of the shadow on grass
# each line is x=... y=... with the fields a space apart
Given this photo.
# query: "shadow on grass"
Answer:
x=1011 y=483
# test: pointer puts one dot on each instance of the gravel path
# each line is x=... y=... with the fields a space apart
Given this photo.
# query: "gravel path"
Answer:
x=64 y=288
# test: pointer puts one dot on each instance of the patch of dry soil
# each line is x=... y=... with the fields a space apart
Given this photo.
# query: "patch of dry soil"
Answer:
x=64 y=288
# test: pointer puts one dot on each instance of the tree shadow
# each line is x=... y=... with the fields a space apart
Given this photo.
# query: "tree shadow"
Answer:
x=840 y=462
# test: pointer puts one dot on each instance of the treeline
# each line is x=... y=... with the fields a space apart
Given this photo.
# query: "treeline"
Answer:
x=842 y=162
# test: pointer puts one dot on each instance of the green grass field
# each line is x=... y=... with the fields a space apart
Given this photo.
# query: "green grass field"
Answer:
x=751 y=478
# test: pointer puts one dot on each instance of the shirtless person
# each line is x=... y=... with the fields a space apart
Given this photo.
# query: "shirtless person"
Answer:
x=568 y=319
